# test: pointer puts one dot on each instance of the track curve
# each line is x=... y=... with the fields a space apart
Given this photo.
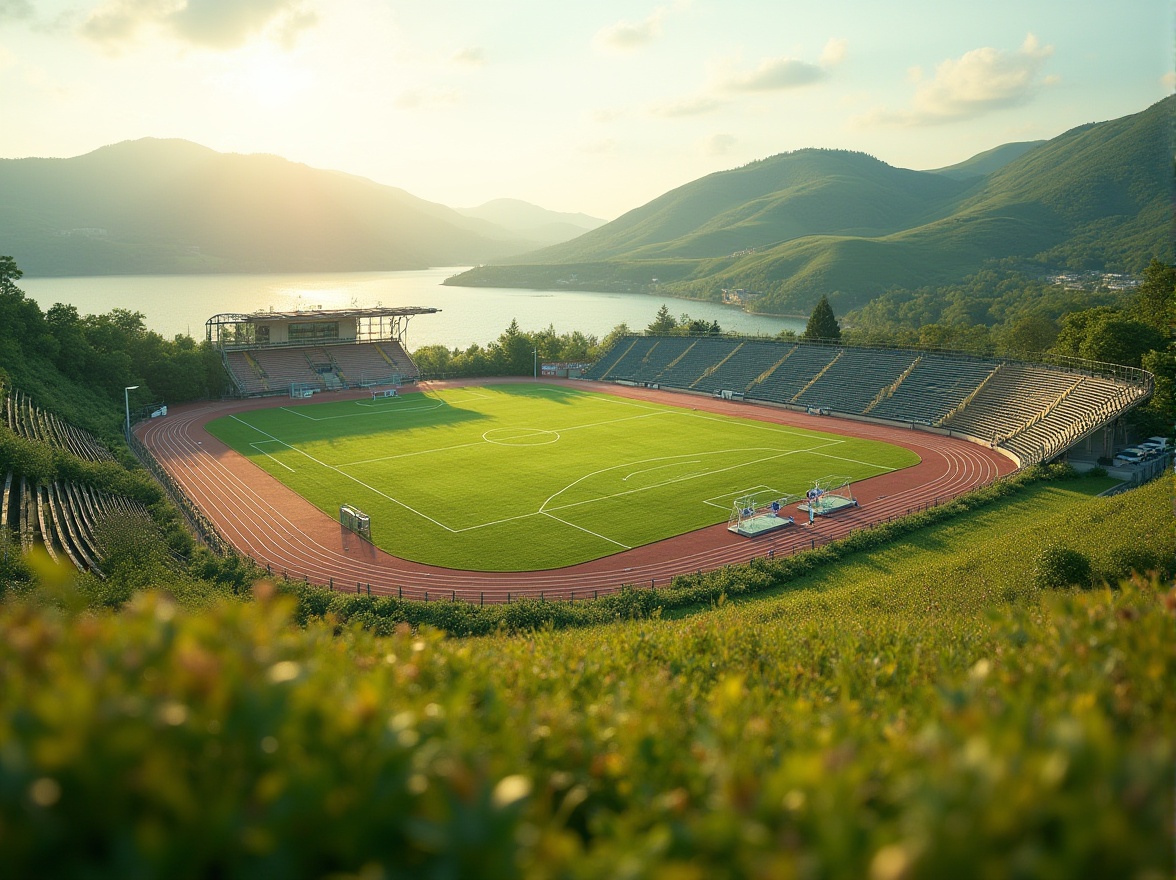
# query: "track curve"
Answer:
x=264 y=520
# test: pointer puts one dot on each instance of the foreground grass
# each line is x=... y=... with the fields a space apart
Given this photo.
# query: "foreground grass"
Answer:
x=869 y=726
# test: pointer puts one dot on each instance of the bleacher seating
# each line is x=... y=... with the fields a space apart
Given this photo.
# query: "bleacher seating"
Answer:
x=326 y=367
x=934 y=387
x=803 y=364
x=285 y=366
x=1015 y=395
x=854 y=379
x=1035 y=412
x=748 y=359
x=692 y=363
x=26 y=419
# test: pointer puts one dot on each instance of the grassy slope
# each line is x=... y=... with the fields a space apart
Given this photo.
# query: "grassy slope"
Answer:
x=845 y=225
x=609 y=473
x=919 y=713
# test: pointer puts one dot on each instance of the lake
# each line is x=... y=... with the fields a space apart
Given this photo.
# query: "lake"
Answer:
x=178 y=304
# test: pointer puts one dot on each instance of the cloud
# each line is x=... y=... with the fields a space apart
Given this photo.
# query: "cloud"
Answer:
x=471 y=56
x=782 y=72
x=1168 y=81
x=979 y=82
x=15 y=10
x=833 y=53
x=719 y=144
x=214 y=24
x=625 y=35
x=696 y=106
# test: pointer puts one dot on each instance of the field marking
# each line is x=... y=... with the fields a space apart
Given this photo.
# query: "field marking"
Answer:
x=732 y=497
x=521 y=434
x=658 y=468
x=587 y=531
x=881 y=467
x=383 y=410
x=257 y=448
x=348 y=476
x=754 y=461
x=484 y=441
x=717 y=417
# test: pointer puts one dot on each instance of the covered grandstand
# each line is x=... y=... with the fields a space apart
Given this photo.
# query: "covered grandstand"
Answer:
x=1032 y=411
x=315 y=350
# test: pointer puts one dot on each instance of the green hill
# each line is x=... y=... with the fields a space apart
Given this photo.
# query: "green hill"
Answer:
x=170 y=206
x=987 y=162
x=816 y=222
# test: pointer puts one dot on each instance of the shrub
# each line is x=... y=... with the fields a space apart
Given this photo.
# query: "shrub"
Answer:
x=1058 y=567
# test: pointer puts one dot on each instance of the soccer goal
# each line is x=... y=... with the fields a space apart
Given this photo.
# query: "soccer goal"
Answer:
x=371 y=380
x=752 y=515
x=303 y=390
x=828 y=495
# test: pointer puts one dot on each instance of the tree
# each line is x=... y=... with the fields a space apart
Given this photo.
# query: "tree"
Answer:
x=822 y=323
x=610 y=338
x=9 y=275
x=1029 y=333
x=1154 y=301
x=663 y=322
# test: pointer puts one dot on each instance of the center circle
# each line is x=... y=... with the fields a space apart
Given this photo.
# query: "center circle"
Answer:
x=520 y=436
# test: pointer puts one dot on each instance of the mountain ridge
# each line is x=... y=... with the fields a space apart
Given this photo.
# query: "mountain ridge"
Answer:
x=172 y=206
x=800 y=225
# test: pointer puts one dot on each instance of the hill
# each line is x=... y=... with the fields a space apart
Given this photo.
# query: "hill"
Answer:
x=532 y=222
x=989 y=161
x=813 y=222
x=171 y=206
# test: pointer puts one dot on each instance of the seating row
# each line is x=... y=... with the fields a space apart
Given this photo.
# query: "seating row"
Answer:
x=343 y=365
x=1034 y=411
x=27 y=420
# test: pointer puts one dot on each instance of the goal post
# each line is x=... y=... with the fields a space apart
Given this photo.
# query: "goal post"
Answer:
x=829 y=495
x=753 y=515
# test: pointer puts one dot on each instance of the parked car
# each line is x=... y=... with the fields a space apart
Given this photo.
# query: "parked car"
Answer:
x=1131 y=455
x=1160 y=444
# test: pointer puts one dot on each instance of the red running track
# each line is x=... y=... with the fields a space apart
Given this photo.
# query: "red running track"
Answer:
x=276 y=527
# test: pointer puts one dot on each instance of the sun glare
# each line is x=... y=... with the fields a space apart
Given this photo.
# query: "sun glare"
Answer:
x=270 y=78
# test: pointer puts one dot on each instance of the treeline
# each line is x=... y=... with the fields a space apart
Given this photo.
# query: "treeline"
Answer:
x=98 y=355
x=515 y=352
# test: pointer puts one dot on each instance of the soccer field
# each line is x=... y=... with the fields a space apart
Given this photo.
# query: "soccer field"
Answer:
x=525 y=477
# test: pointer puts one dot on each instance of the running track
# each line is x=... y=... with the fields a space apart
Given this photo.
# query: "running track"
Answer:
x=276 y=527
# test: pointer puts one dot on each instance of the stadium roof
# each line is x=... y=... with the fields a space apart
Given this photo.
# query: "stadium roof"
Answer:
x=270 y=315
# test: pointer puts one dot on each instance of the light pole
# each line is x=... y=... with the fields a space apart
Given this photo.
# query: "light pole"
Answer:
x=127 y=401
x=536 y=354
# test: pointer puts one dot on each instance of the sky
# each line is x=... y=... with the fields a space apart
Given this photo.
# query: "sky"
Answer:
x=581 y=107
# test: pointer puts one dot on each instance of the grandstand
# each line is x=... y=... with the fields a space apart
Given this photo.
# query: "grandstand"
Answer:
x=74 y=522
x=315 y=350
x=1032 y=412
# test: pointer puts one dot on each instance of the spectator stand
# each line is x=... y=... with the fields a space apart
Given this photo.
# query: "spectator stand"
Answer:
x=272 y=352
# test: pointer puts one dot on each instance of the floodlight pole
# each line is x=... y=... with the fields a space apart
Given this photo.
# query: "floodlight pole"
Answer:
x=536 y=354
x=127 y=402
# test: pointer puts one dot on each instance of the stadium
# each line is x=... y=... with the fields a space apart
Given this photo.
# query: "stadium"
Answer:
x=965 y=422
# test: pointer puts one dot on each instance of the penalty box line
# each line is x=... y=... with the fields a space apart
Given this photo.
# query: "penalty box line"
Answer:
x=342 y=474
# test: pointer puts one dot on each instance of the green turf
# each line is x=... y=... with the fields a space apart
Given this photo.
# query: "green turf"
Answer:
x=524 y=477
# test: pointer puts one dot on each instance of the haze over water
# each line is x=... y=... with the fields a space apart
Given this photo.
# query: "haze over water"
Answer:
x=179 y=304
